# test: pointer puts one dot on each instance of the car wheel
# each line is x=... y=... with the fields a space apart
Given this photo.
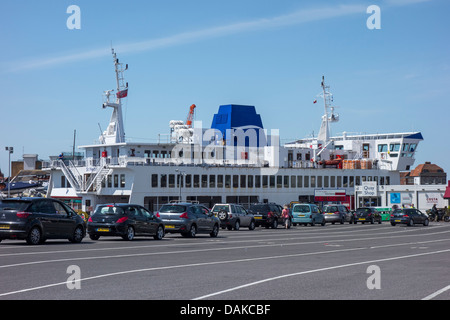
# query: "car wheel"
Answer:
x=411 y=222
x=252 y=225
x=35 y=236
x=426 y=222
x=223 y=215
x=236 y=225
x=192 y=231
x=275 y=224
x=77 y=236
x=215 y=231
x=323 y=222
x=393 y=224
x=159 y=233
x=94 y=236
x=129 y=235
x=372 y=221
x=313 y=223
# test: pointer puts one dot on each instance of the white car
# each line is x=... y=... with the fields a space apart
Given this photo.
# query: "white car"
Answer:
x=233 y=216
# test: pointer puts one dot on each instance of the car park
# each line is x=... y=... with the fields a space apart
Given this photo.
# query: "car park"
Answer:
x=306 y=213
x=189 y=219
x=124 y=220
x=367 y=214
x=233 y=216
x=267 y=215
x=409 y=216
x=337 y=213
x=38 y=219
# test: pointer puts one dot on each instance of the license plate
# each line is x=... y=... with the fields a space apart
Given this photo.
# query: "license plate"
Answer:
x=398 y=220
x=361 y=219
x=330 y=213
x=5 y=226
x=258 y=217
x=103 y=229
x=301 y=215
x=170 y=226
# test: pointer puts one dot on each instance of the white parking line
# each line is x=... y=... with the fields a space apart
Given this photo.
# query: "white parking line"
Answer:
x=435 y=294
x=319 y=270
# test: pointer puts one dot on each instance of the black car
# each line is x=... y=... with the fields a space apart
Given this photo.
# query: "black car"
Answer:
x=124 y=220
x=38 y=219
x=409 y=217
x=189 y=219
x=367 y=214
x=267 y=214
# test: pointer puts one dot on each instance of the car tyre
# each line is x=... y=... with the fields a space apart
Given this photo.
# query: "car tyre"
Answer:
x=35 y=236
x=78 y=235
x=275 y=224
x=191 y=233
x=252 y=225
x=411 y=222
x=159 y=233
x=214 y=232
x=426 y=222
x=237 y=225
x=94 y=236
x=130 y=234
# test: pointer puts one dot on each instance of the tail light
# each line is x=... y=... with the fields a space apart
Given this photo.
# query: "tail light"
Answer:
x=90 y=219
x=22 y=214
x=157 y=215
x=405 y=216
x=184 y=216
x=122 y=220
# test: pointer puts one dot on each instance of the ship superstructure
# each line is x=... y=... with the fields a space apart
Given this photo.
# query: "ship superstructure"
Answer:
x=235 y=160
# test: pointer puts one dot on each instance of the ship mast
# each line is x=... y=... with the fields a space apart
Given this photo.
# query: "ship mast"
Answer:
x=115 y=132
x=329 y=116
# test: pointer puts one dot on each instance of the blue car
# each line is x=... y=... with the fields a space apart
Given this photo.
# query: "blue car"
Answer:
x=307 y=213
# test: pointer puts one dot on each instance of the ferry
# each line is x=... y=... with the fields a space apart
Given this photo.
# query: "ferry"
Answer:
x=235 y=160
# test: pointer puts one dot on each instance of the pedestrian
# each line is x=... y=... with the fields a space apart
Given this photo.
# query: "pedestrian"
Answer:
x=285 y=215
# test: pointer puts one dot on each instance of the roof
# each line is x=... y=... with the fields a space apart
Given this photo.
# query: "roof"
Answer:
x=426 y=167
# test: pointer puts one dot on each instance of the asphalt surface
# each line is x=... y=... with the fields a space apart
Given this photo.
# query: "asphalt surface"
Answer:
x=334 y=262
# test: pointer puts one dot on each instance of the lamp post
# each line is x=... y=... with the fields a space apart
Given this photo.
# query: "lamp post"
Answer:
x=10 y=151
x=179 y=177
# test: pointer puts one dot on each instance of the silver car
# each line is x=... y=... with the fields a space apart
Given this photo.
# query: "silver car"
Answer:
x=188 y=219
x=233 y=216
x=337 y=213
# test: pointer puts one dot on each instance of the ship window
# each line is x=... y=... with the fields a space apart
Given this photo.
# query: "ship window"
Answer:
x=227 y=181
x=109 y=180
x=405 y=147
x=339 y=182
x=286 y=181
x=394 y=147
x=265 y=181
x=299 y=181
x=122 y=181
x=163 y=181
x=171 y=181
x=358 y=181
x=250 y=181
x=257 y=181
x=382 y=148
x=306 y=181
x=243 y=181
x=345 y=182
x=319 y=181
x=196 y=181
x=313 y=181
x=204 y=181
x=326 y=182
x=412 y=147
x=116 y=181
x=188 y=180
x=212 y=181
x=293 y=181
x=279 y=181
x=272 y=181
x=235 y=181
x=154 y=180
x=220 y=181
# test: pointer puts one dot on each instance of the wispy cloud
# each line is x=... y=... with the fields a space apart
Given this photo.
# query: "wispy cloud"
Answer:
x=294 y=18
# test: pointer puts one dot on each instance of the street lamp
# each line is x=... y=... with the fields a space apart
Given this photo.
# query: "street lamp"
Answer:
x=179 y=177
x=10 y=151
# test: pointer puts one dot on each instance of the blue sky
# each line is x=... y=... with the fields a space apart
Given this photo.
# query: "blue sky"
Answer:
x=266 y=53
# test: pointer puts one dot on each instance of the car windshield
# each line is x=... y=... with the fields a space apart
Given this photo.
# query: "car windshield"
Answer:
x=218 y=208
x=362 y=210
x=13 y=205
x=109 y=210
x=301 y=209
x=330 y=209
x=172 y=208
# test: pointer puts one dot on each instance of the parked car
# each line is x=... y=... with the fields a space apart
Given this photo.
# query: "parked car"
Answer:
x=409 y=217
x=367 y=214
x=337 y=213
x=233 y=216
x=307 y=213
x=124 y=220
x=38 y=219
x=189 y=219
x=267 y=214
